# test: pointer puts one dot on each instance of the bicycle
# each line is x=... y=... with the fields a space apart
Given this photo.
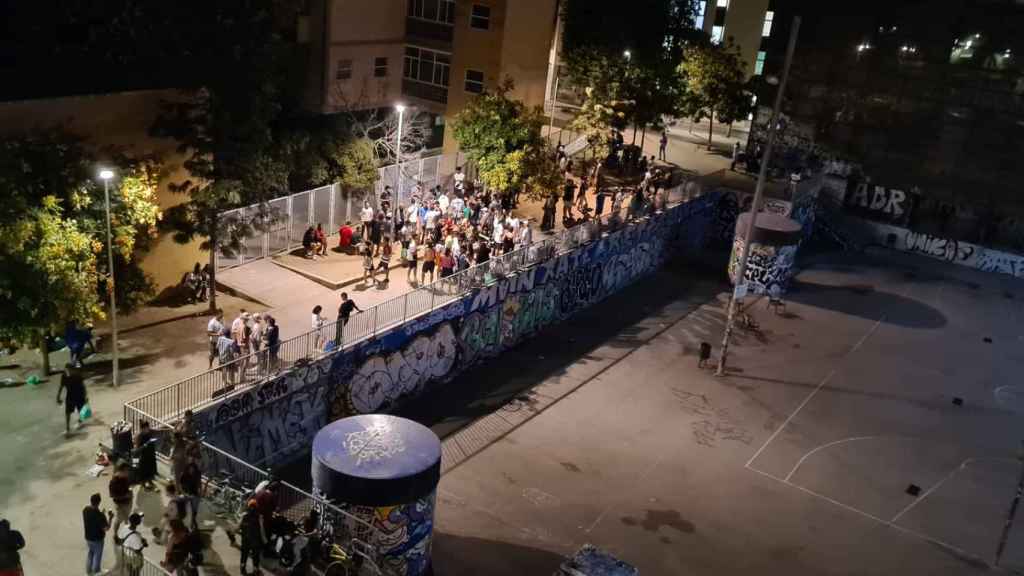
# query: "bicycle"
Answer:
x=339 y=562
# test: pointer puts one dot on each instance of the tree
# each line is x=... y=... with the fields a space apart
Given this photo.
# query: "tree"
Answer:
x=226 y=128
x=379 y=126
x=594 y=121
x=53 y=234
x=503 y=137
x=713 y=83
x=358 y=165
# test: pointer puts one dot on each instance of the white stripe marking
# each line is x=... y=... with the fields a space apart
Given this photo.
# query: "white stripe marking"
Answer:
x=791 y=416
x=823 y=446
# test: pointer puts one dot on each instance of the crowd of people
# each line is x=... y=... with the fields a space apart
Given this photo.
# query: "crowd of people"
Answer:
x=248 y=334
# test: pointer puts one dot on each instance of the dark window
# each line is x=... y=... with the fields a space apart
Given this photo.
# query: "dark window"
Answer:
x=380 y=67
x=481 y=17
x=344 y=70
x=474 y=81
x=427 y=66
x=434 y=10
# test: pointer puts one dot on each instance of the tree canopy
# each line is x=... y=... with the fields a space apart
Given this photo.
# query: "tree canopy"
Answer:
x=713 y=84
x=503 y=136
x=53 y=232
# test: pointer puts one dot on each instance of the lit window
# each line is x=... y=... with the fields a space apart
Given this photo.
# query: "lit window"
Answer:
x=474 y=81
x=722 y=3
x=481 y=17
x=427 y=66
x=766 y=30
x=442 y=11
x=344 y=70
x=698 y=21
x=759 y=64
x=380 y=67
x=717 y=32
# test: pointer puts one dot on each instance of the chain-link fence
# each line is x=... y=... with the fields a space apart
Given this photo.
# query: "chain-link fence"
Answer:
x=279 y=225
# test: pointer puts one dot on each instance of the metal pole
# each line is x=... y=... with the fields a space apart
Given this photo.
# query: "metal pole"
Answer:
x=398 y=165
x=554 y=104
x=110 y=282
x=758 y=195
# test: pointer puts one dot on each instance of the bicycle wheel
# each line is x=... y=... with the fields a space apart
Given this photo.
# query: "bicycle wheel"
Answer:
x=337 y=568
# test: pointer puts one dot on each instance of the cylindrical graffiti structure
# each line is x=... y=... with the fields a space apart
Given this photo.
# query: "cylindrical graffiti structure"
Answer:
x=772 y=252
x=383 y=469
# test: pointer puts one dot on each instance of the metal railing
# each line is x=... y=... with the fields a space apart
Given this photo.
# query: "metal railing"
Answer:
x=148 y=568
x=355 y=535
x=170 y=402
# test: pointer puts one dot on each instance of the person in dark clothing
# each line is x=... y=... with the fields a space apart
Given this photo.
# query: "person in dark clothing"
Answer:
x=120 y=491
x=11 y=541
x=251 y=530
x=145 y=447
x=272 y=341
x=191 y=487
x=96 y=525
x=483 y=254
x=76 y=397
x=599 y=203
x=568 y=194
x=345 y=313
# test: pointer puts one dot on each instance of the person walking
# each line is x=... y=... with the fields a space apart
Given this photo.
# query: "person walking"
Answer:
x=345 y=309
x=191 y=487
x=76 y=397
x=177 y=546
x=735 y=155
x=120 y=490
x=213 y=329
x=663 y=145
x=366 y=217
x=132 y=544
x=145 y=449
x=11 y=543
x=317 y=324
x=96 y=523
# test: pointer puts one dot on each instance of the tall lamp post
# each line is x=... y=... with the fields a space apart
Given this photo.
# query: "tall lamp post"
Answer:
x=106 y=175
x=398 y=162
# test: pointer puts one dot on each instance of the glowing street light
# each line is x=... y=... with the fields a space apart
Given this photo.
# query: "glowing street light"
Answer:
x=628 y=55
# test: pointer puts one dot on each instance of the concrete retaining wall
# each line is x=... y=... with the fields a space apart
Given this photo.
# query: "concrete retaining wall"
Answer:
x=957 y=252
x=270 y=424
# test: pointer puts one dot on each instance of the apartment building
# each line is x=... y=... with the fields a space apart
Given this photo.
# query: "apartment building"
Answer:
x=434 y=55
x=748 y=23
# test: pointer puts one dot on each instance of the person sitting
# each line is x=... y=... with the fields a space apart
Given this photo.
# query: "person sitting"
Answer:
x=321 y=240
x=309 y=244
x=345 y=235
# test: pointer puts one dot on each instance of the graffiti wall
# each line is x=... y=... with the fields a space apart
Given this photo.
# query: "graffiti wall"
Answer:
x=272 y=423
x=769 y=268
x=954 y=251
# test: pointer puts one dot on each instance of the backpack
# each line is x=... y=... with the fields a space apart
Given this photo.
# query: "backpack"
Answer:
x=132 y=557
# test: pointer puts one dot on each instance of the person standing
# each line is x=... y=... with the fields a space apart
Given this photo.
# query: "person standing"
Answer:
x=568 y=194
x=346 y=308
x=599 y=202
x=251 y=530
x=191 y=486
x=76 y=397
x=385 y=260
x=663 y=144
x=145 y=447
x=410 y=261
x=213 y=329
x=460 y=181
x=368 y=263
x=366 y=217
x=428 y=262
x=227 y=351
x=120 y=490
x=317 y=324
x=132 y=544
x=735 y=155
x=11 y=542
x=96 y=523
x=272 y=341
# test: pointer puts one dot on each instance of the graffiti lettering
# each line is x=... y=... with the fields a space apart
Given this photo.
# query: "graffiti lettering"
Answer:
x=945 y=249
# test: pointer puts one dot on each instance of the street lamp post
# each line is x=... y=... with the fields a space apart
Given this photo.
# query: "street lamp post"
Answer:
x=398 y=162
x=106 y=175
x=741 y=271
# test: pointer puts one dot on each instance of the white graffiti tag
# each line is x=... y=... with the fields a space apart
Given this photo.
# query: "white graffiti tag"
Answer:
x=373 y=443
x=385 y=377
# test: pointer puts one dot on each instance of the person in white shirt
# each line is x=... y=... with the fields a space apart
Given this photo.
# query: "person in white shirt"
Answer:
x=256 y=336
x=132 y=543
x=442 y=203
x=213 y=331
x=456 y=205
x=460 y=179
x=431 y=218
x=366 y=217
x=525 y=234
x=317 y=324
x=499 y=231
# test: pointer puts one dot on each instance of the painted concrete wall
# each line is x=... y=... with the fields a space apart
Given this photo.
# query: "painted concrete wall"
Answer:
x=121 y=119
x=272 y=423
x=956 y=252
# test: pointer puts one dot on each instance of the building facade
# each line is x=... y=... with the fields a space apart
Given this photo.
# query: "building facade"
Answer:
x=434 y=55
x=747 y=23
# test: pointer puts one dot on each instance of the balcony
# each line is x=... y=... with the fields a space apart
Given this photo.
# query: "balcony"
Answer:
x=429 y=34
x=424 y=91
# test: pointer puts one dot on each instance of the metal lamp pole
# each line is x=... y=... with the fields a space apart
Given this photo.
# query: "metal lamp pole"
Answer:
x=741 y=272
x=398 y=162
x=107 y=175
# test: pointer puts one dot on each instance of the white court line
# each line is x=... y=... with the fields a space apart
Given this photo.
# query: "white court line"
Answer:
x=805 y=456
x=868 y=515
x=791 y=416
x=963 y=466
x=866 y=336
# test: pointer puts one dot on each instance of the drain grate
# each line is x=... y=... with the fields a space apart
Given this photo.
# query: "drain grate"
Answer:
x=913 y=489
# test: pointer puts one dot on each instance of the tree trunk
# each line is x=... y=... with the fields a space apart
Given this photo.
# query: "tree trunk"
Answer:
x=213 y=265
x=643 y=137
x=711 y=123
x=44 y=352
x=729 y=135
x=634 y=134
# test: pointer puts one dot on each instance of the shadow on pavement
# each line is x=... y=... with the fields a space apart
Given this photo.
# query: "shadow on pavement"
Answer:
x=456 y=555
x=863 y=301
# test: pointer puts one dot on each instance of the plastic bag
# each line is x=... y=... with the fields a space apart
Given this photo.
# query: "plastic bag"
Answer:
x=86 y=412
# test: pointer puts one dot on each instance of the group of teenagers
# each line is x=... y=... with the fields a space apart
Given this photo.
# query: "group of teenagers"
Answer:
x=247 y=334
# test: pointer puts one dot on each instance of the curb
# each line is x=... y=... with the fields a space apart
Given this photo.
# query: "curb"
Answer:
x=324 y=281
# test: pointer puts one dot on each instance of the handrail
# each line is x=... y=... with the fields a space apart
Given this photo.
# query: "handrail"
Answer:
x=208 y=387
